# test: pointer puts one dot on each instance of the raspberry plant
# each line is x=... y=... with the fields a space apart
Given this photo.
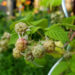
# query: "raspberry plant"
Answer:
x=37 y=44
x=33 y=39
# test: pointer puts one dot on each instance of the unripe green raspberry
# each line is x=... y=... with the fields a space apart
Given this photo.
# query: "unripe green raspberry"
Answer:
x=3 y=43
x=58 y=12
x=29 y=56
x=21 y=44
x=53 y=16
x=20 y=27
x=6 y=35
x=16 y=53
x=49 y=45
x=38 y=51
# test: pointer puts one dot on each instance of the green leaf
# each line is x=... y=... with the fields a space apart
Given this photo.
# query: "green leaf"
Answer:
x=68 y=23
x=71 y=73
x=67 y=26
x=68 y=20
x=34 y=29
x=37 y=62
x=72 y=44
x=57 y=33
x=13 y=38
x=55 y=2
x=41 y=61
x=43 y=23
x=72 y=63
x=52 y=3
x=60 y=68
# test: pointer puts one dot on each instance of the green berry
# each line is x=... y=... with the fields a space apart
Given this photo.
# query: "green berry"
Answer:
x=29 y=56
x=16 y=53
x=20 y=27
x=38 y=51
x=3 y=43
x=49 y=45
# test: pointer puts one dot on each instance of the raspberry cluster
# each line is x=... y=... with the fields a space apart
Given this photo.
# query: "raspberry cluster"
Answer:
x=20 y=46
x=21 y=43
x=30 y=52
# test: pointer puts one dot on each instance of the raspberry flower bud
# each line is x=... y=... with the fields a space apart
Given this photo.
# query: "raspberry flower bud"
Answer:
x=16 y=53
x=49 y=45
x=38 y=51
x=20 y=27
x=21 y=44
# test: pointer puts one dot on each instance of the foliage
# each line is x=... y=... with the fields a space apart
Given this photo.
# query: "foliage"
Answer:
x=60 y=68
x=10 y=66
x=39 y=28
x=4 y=25
x=51 y=3
x=57 y=33
x=65 y=67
